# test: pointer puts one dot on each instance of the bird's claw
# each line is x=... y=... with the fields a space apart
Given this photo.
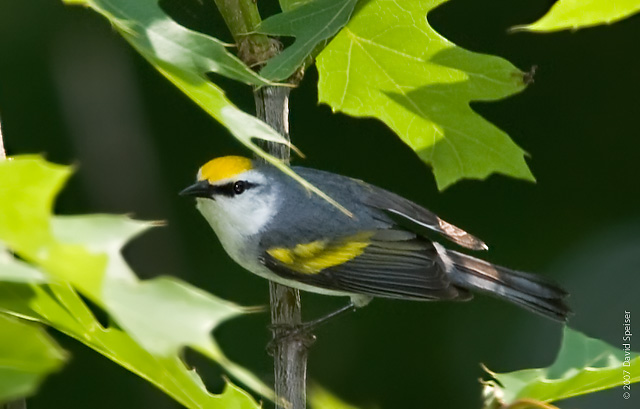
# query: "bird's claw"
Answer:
x=298 y=333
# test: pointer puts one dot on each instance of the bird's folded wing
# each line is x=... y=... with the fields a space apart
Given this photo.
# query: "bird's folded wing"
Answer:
x=384 y=263
x=409 y=215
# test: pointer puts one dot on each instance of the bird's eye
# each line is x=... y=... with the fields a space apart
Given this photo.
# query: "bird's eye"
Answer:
x=239 y=187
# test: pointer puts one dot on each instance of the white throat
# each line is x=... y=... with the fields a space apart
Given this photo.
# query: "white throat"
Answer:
x=236 y=219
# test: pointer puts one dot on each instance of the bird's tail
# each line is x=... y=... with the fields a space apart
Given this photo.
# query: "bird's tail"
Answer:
x=529 y=291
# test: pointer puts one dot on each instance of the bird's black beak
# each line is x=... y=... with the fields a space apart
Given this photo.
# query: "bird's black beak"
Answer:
x=198 y=189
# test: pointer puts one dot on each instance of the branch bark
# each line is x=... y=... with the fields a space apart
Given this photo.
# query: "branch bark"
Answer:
x=242 y=18
x=289 y=352
x=272 y=106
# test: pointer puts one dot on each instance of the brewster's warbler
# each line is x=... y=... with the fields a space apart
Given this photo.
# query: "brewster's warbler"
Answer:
x=273 y=227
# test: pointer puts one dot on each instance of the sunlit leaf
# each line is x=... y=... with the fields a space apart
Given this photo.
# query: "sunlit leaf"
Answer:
x=35 y=303
x=27 y=356
x=61 y=308
x=29 y=185
x=388 y=63
x=152 y=31
x=575 y=14
x=162 y=316
x=311 y=23
x=583 y=365
x=15 y=270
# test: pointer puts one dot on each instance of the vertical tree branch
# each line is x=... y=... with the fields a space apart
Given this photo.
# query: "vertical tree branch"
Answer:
x=289 y=352
x=272 y=106
x=242 y=18
x=20 y=403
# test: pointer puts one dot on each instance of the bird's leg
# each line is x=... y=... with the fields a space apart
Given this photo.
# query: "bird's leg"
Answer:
x=311 y=325
x=303 y=331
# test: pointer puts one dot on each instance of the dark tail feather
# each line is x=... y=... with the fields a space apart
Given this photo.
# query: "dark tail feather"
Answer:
x=529 y=291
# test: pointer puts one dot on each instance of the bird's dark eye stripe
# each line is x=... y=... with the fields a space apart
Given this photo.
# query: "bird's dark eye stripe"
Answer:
x=228 y=189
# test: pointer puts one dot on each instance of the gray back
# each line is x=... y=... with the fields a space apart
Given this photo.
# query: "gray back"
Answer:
x=305 y=217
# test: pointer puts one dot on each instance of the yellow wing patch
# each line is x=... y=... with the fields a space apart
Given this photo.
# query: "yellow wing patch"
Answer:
x=224 y=168
x=313 y=257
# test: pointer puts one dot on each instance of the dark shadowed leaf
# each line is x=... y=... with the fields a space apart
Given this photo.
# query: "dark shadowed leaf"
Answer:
x=311 y=23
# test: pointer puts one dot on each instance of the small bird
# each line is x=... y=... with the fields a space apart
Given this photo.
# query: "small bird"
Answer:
x=275 y=228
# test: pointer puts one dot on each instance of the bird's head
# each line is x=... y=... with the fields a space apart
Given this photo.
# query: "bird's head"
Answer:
x=232 y=192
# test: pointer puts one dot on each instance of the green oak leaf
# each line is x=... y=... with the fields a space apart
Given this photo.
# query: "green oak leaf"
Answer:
x=311 y=23
x=576 y=14
x=12 y=269
x=287 y=5
x=27 y=356
x=184 y=57
x=162 y=315
x=388 y=63
x=169 y=314
x=60 y=306
x=149 y=29
x=584 y=365
x=32 y=183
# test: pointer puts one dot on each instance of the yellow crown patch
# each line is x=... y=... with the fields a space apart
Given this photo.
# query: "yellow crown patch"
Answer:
x=224 y=168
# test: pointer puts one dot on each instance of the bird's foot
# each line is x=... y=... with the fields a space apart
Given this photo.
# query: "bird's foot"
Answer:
x=302 y=333
x=285 y=333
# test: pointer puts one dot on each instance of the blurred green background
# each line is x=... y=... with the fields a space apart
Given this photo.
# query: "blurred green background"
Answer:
x=72 y=89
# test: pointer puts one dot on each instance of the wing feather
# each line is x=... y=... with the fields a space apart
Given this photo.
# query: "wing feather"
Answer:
x=409 y=214
x=394 y=264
